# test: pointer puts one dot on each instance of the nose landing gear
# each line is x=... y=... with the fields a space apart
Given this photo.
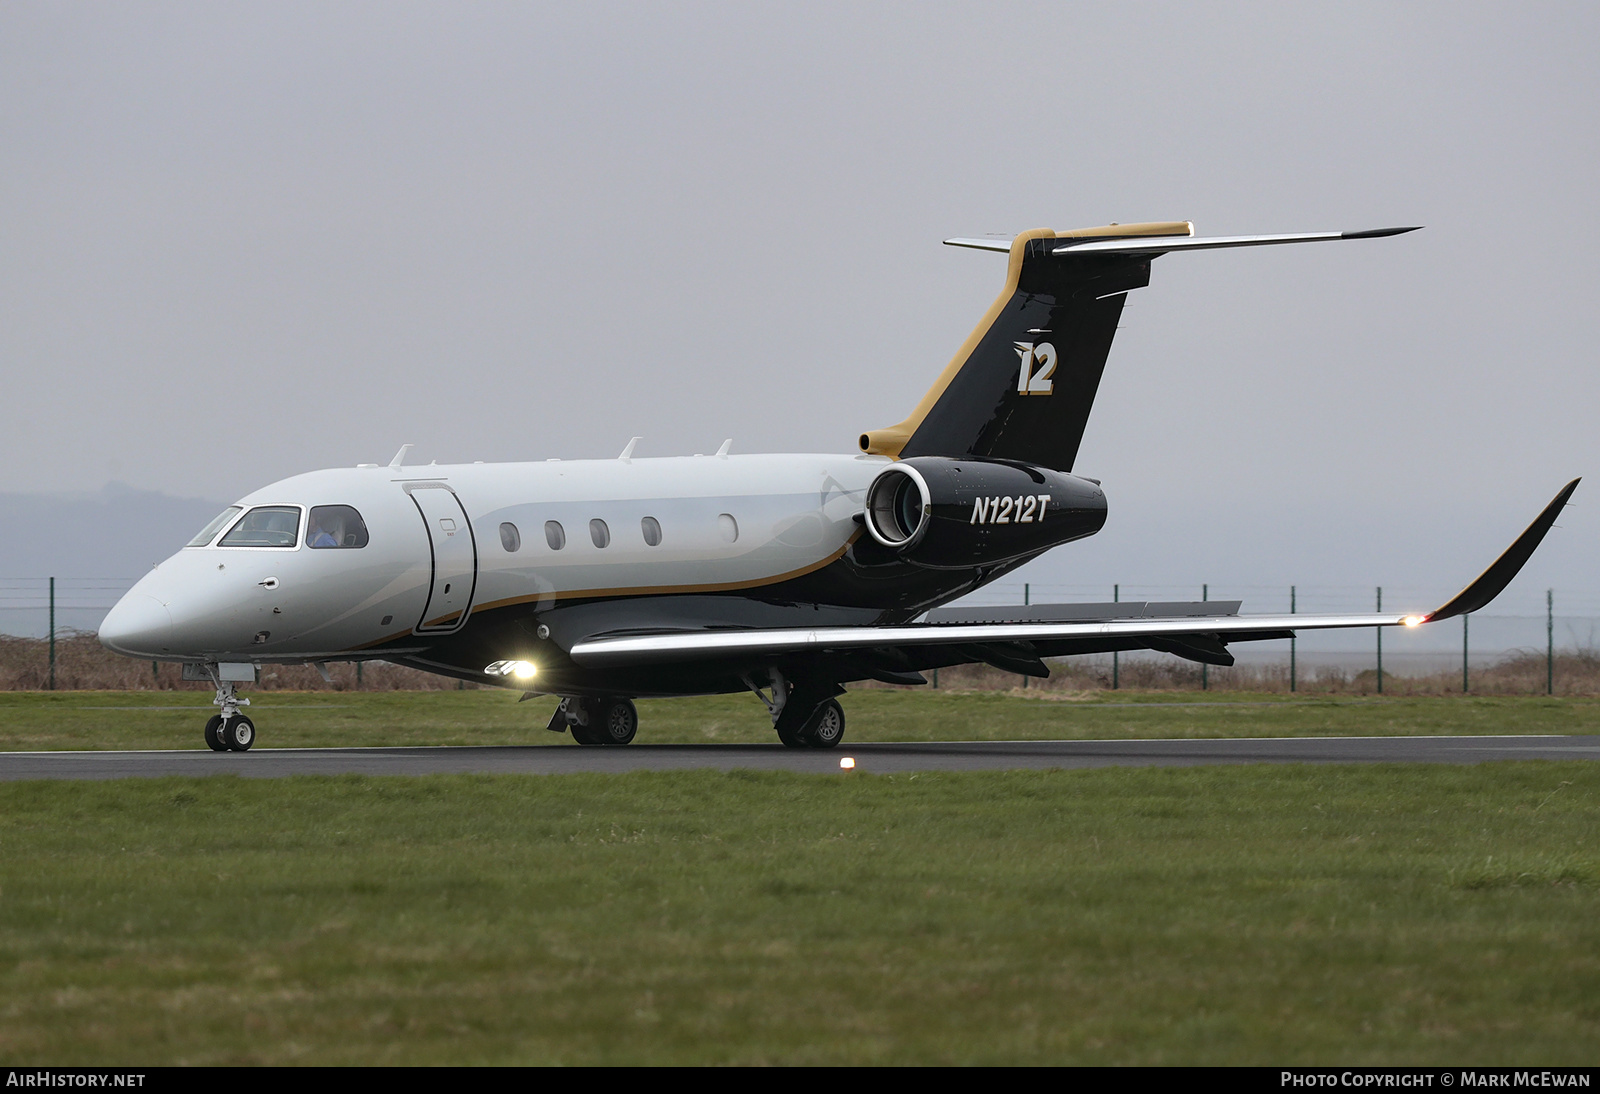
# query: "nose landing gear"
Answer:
x=234 y=734
x=229 y=731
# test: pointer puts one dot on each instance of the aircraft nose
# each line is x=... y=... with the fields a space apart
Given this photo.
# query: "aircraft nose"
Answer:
x=139 y=625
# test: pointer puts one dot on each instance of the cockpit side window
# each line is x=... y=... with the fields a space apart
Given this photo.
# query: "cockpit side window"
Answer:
x=209 y=532
x=335 y=526
x=265 y=526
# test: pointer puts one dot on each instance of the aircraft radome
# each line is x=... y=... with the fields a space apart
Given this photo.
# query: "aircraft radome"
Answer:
x=600 y=581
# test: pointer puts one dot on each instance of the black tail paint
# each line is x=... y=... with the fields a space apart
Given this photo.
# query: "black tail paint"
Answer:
x=1022 y=386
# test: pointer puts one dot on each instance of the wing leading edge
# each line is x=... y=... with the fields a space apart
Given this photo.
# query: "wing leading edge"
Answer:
x=1183 y=634
x=1159 y=245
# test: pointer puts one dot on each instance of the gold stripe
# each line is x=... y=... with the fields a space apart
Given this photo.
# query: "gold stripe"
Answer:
x=890 y=441
x=660 y=590
x=1118 y=231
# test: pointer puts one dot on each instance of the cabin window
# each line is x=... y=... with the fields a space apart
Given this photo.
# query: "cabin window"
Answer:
x=510 y=538
x=209 y=532
x=728 y=527
x=599 y=533
x=651 y=527
x=265 y=526
x=555 y=535
x=335 y=526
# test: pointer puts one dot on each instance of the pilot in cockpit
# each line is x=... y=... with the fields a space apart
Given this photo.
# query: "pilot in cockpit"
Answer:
x=317 y=536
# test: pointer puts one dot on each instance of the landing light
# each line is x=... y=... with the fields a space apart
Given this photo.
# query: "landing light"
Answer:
x=522 y=670
x=1413 y=620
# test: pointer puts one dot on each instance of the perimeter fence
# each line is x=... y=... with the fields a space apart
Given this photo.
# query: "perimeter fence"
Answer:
x=1531 y=641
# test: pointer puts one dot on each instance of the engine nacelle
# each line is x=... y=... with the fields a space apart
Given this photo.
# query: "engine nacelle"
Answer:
x=950 y=514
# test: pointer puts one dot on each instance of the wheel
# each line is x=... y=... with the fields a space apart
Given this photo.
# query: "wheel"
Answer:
x=790 y=739
x=825 y=727
x=791 y=724
x=238 y=734
x=213 y=736
x=587 y=735
x=619 y=721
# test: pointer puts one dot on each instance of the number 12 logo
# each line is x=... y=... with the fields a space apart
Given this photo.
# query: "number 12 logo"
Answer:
x=1038 y=365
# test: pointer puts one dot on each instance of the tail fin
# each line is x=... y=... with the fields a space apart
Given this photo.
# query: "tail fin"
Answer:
x=1022 y=384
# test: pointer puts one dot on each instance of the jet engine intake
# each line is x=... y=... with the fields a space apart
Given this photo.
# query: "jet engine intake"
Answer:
x=899 y=507
x=946 y=513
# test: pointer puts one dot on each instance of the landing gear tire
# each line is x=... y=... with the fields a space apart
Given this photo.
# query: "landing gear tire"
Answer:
x=792 y=722
x=619 y=721
x=238 y=734
x=825 y=727
x=590 y=711
x=214 y=734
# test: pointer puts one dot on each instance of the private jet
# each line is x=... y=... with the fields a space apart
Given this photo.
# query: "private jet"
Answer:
x=788 y=576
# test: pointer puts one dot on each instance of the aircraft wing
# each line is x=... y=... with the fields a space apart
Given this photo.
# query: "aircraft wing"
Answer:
x=1198 y=637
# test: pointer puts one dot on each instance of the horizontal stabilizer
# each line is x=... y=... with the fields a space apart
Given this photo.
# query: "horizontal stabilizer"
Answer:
x=1157 y=245
x=1001 y=245
x=1212 y=243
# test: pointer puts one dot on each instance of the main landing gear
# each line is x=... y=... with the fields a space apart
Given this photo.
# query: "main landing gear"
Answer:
x=820 y=726
x=597 y=722
x=804 y=717
x=229 y=731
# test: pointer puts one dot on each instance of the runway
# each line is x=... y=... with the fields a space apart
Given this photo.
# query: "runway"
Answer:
x=872 y=758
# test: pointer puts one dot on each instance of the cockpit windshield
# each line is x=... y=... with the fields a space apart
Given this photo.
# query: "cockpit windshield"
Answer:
x=265 y=526
x=209 y=532
x=335 y=526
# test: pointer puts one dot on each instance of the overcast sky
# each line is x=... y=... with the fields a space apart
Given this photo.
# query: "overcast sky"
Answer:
x=238 y=242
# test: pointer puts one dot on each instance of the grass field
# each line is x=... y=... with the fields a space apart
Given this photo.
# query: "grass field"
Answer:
x=155 y=719
x=1266 y=914
x=1354 y=915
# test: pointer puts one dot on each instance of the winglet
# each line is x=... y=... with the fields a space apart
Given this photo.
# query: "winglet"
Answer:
x=1499 y=574
x=1379 y=233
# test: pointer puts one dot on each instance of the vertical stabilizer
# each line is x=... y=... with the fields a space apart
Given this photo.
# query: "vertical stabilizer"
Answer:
x=1022 y=385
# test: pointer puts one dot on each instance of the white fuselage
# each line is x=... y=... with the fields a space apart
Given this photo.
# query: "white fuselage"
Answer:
x=446 y=541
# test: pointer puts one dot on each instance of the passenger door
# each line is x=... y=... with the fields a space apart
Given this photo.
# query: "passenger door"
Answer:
x=455 y=557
